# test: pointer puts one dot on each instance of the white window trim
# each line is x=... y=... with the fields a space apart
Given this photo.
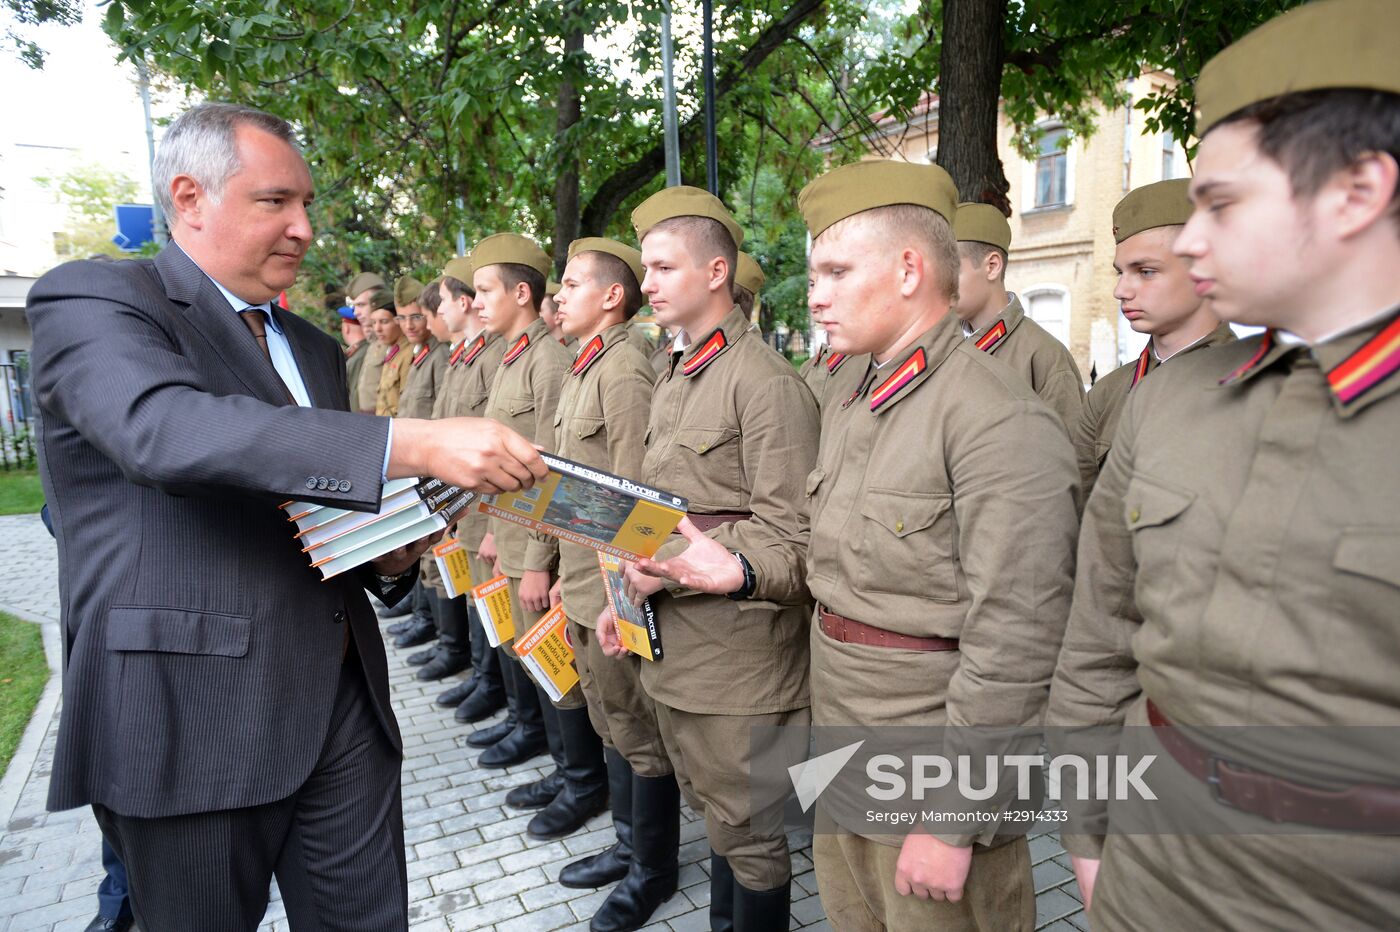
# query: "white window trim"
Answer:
x=1027 y=294
x=1028 y=171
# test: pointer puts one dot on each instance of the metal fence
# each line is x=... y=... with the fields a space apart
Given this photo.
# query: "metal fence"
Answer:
x=16 y=415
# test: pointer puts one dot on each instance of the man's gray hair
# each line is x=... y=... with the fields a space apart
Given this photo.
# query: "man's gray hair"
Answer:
x=201 y=143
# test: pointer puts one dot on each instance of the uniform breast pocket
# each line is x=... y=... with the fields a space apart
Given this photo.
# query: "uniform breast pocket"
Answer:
x=1154 y=511
x=907 y=548
x=585 y=426
x=1359 y=650
x=715 y=465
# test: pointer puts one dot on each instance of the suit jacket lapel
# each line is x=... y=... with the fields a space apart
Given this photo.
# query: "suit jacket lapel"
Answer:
x=207 y=311
x=321 y=383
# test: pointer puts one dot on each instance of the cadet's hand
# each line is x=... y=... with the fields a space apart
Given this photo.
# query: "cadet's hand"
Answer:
x=398 y=562
x=931 y=869
x=636 y=587
x=704 y=565
x=475 y=453
x=1086 y=871
x=609 y=641
x=487 y=552
x=555 y=593
x=534 y=590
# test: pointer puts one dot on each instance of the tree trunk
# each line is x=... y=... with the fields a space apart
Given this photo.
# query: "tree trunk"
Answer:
x=969 y=99
x=566 y=197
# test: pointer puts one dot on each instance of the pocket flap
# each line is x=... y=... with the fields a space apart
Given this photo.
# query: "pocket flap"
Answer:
x=172 y=630
x=814 y=480
x=704 y=439
x=519 y=406
x=903 y=513
x=585 y=427
x=1370 y=551
x=1150 y=502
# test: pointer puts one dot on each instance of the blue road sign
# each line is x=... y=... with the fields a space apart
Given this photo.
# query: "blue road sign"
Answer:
x=135 y=224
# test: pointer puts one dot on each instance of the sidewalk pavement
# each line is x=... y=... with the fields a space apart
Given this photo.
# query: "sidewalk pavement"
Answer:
x=470 y=863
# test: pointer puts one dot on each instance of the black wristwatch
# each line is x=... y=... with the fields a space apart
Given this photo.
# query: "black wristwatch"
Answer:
x=750 y=580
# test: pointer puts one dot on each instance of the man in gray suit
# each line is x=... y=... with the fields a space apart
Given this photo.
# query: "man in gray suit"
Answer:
x=225 y=712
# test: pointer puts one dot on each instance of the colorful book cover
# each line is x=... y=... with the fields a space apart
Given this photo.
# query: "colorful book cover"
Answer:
x=592 y=508
x=337 y=563
x=492 y=600
x=453 y=566
x=548 y=654
x=636 y=626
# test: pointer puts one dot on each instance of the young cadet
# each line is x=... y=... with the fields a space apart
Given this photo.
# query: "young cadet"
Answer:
x=734 y=430
x=748 y=282
x=992 y=317
x=399 y=357
x=939 y=603
x=549 y=312
x=509 y=279
x=365 y=292
x=353 y=333
x=1240 y=557
x=601 y=422
x=471 y=365
x=1158 y=298
x=821 y=370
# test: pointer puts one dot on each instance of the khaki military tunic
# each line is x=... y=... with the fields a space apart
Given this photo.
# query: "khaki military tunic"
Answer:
x=354 y=363
x=427 y=365
x=471 y=368
x=827 y=373
x=1240 y=564
x=637 y=335
x=1098 y=421
x=600 y=422
x=392 y=376
x=370 y=370
x=922 y=501
x=1037 y=357
x=660 y=356
x=734 y=430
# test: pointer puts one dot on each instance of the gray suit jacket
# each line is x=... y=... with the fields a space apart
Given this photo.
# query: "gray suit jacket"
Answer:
x=201 y=650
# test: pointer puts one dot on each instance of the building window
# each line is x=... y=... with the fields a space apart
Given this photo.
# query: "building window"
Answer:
x=1052 y=169
x=1048 y=305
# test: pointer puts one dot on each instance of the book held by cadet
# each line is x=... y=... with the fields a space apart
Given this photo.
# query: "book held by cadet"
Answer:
x=337 y=539
x=548 y=654
x=492 y=601
x=636 y=626
x=592 y=508
x=452 y=564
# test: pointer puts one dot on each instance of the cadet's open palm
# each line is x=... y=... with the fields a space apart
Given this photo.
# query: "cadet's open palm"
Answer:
x=704 y=565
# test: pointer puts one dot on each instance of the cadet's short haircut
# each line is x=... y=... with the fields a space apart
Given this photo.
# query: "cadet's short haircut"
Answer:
x=458 y=288
x=1315 y=134
x=744 y=298
x=607 y=269
x=930 y=230
x=512 y=274
x=977 y=252
x=707 y=240
x=431 y=298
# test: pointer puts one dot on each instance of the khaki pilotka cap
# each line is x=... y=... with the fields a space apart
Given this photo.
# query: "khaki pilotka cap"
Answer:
x=1163 y=204
x=612 y=247
x=982 y=223
x=407 y=291
x=861 y=186
x=460 y=268
x=362 y=283
x=1330 y=44
x=551 y=288
x=749 y=275
x=381 y=300
x=510 y=249
x=684 y=201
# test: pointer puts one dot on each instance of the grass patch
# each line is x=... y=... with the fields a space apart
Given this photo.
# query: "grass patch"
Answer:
x=23 y=672
x=20 y=492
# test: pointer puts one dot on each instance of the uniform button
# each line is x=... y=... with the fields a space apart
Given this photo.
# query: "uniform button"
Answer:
x=338 y=618
x=1134 y=515
x=899 y=527
x=704 y=447
x=344 y=485
x=311 y=482
x=322 y=483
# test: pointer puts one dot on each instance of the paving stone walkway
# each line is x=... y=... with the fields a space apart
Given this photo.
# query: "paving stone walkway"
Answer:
x=470 y=863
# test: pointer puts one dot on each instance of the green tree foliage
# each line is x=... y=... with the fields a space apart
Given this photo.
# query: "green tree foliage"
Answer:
x=22 y=13
x=90 y=192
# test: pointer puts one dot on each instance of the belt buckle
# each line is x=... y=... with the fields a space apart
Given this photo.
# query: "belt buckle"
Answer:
x=1213 y=763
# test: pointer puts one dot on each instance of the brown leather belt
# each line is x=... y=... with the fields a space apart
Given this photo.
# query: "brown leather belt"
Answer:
x=1362 y=808
x=849 y=631
x=718 y=519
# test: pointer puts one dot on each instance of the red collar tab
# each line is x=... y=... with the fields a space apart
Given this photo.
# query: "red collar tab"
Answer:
x=1144 y=362
x=1376 y=360
x=1266 y=343
x=705 y=354
x=587 y=355
x=990 y=340
x=834 y=362
x=522 y=343
x=908 y=370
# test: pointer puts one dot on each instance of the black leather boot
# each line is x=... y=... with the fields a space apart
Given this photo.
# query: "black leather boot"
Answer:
x=540 y=793
x=400 y=626
x=485 y=737
x=453 y=647
x=652 y=876
x=455 y=696
x=422 y=627
x=490 y=695
x=527 y=739
x=585 y=792
x=611 y=864
x=722 y=885
x=762 y=910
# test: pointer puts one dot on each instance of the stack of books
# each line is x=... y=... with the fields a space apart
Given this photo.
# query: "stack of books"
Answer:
x=337 y=540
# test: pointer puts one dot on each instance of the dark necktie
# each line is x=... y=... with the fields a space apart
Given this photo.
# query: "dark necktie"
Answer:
x=255 y=318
